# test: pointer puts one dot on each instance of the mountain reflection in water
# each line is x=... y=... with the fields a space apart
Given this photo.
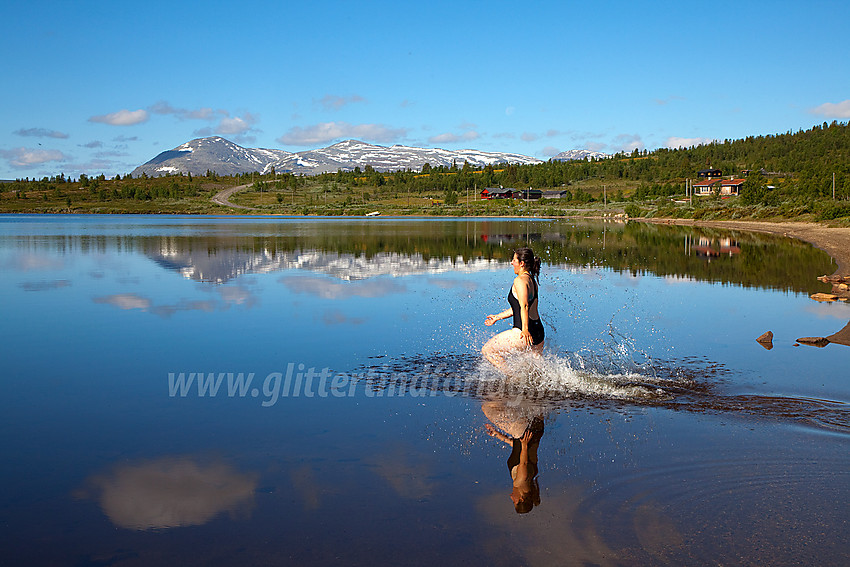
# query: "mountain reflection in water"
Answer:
x=356 y=250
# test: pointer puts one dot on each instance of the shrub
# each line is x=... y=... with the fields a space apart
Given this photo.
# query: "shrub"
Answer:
x=633 y=210
x=831 y=211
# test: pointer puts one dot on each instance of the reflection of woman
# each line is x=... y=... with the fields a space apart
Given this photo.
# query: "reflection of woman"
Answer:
x=527 y=331
x=523 y=464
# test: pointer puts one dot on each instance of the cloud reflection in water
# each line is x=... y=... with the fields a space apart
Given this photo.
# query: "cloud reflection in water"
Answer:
x=171 y=492
x=327 y=289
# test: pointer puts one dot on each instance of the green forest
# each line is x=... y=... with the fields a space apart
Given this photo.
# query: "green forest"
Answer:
x=803 y=174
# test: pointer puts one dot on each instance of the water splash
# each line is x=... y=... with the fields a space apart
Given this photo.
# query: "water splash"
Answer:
x=610 y=379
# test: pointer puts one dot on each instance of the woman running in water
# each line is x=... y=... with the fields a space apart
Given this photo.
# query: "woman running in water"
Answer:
x=527 y=332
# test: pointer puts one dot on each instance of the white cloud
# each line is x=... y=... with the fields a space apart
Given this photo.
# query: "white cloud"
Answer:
x=40 y=133
x=677 y=142
x=532 y=136
x=228 y=126
x=122 y=118
x=334 y=102
x=629 y=142
x=26 y=157
x=449 y=138
x=550 y=151
x=205 y=113
x=833 y=109
x=665 y=101
x=235 y=125
x=330 y=131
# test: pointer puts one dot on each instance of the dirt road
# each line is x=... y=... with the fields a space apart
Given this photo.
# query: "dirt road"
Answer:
x=222 y=198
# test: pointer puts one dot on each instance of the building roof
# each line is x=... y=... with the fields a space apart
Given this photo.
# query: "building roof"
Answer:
x=703 y=172
x=706 y=183
x=498 y=190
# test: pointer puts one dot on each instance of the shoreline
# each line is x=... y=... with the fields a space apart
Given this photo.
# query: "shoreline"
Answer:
x=835 y=241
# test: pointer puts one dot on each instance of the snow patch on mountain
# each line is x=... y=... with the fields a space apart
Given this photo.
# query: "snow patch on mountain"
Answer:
x=572 y=155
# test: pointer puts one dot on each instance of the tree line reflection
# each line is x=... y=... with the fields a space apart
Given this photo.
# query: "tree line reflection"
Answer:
x=360 y=250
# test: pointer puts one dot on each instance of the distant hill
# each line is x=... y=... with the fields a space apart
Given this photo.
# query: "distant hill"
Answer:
x=226 y=158
x=211 y=154
x=572 y=155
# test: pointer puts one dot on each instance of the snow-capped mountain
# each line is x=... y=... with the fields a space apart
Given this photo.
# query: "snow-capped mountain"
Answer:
x=211 y=154
x=352 y=153
x=571 y=155
x=226 y=158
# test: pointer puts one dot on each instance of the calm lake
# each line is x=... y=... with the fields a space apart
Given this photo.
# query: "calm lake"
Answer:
x=226 y=391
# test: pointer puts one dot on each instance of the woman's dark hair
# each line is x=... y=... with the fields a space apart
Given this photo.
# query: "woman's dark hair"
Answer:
x=532 y=262
x=529 y=501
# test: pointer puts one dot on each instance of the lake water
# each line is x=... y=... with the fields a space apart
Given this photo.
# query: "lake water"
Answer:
x=224 y=391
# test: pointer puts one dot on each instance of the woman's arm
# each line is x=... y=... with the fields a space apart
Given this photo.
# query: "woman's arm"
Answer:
x=493 y=432
x=524 y=440
x=498 y=317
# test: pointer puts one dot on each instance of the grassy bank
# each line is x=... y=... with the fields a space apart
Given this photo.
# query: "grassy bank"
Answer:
x=316 y=196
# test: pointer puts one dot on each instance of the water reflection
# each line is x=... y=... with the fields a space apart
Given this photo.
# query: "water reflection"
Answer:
x=222 y=251
x=662 y=419
x=229 y=296
x=329 y=289
x=841 y=337
x=708 y=247
x=171 y=492
x=519 y=424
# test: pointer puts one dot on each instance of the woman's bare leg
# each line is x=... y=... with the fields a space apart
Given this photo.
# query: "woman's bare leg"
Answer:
x=504 y=343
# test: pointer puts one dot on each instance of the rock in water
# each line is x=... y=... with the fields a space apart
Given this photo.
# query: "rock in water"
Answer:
x=766 y=340
x=814 y=341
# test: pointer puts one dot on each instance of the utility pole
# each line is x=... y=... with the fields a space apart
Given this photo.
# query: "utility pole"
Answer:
x=833 y=185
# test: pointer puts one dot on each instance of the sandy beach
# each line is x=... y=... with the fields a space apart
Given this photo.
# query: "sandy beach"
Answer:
x=833 y=241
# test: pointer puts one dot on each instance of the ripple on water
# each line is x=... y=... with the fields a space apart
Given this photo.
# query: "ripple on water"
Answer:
x=750 y=509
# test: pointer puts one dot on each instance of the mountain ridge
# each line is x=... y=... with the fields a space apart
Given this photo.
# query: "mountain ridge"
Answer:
x=224 y=157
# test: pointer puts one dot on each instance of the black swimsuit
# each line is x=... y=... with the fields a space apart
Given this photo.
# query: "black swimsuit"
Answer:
x=535 y=326
x=536 y=426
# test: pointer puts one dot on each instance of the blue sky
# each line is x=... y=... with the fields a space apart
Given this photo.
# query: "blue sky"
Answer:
x=102 y=87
